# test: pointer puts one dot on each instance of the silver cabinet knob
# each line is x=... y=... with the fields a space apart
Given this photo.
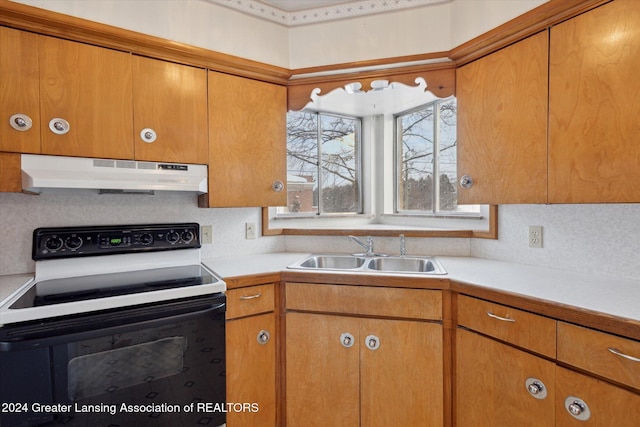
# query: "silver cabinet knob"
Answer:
x=59 y=126
x=372 y=342
x=277 y=186
x=20 y=122
x=263 y=337
x=536 y=388
x=466 y=181
x=577 y=408
x=346 y=339
x=148 y=135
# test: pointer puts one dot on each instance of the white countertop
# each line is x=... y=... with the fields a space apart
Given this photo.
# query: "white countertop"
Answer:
x=615 y=297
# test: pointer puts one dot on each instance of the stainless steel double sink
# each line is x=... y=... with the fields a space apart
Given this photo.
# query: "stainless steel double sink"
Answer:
x=375 y=263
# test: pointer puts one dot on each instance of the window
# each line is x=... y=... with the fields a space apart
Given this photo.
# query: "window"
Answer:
x=323 y=164
x=425 y=142
x=367 y=160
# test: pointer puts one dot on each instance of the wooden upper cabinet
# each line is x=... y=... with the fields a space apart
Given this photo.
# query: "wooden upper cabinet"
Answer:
x=169 y=100
x=90 y=88
x=19 y=87
x=10 y=173
x=502 y=124
x=247 y=142
x=594 y=125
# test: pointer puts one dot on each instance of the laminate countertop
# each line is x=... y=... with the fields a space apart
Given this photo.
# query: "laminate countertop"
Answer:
x=588 y=299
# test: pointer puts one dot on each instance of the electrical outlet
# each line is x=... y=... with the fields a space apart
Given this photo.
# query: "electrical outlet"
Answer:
x=535 y=236
x=250 y=230
x=206 y=234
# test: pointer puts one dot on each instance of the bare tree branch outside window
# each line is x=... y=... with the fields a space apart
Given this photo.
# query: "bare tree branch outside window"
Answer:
x=323 y=163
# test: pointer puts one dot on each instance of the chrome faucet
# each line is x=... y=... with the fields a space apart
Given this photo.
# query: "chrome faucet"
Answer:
x=368 y=245
x=403 y=249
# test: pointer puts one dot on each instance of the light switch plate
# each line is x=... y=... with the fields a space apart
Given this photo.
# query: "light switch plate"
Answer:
x=250 y=230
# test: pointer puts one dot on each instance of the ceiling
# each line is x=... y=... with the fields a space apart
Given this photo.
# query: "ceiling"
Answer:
x=292 y=13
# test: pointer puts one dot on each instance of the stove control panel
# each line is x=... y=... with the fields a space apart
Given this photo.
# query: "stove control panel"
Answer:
x=67 y=242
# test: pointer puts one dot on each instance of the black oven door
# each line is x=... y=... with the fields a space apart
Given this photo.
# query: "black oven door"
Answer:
x=155 y=365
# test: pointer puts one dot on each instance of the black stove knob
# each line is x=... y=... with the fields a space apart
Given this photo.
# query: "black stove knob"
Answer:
x=53 y=243
x=73 y=242
x=146 y=239
x=173 y=237
x=187 y=236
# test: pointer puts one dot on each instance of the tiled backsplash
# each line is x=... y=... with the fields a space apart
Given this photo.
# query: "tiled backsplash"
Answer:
x=593 y=239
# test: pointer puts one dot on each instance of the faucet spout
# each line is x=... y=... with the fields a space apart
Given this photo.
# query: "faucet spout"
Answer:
x=368 y=245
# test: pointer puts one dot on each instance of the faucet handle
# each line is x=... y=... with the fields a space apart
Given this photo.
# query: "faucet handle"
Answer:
x=403 y=249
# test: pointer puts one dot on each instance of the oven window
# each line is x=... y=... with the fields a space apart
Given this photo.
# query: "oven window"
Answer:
x=155 y=372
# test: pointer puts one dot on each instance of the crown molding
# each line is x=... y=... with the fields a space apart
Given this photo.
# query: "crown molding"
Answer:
x=351 y=9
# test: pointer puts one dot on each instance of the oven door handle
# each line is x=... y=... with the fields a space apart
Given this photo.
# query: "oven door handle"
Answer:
x=101 y=324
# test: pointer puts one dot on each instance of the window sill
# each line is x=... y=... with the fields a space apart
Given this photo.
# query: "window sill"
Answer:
x=360 y=225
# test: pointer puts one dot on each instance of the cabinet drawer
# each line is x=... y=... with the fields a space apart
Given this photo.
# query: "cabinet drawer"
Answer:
x=243 y=302
x=523 y=329
x=603 y=354
x=365 y=300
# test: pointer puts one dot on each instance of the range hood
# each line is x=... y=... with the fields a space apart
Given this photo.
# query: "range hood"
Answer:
x=42 y=173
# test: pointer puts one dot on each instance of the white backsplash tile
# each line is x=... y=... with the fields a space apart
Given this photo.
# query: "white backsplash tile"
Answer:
x=594 y=239
x=20 y=214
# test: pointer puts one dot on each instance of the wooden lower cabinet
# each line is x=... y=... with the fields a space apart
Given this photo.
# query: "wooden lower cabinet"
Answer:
x=491 y=384
x=350 y=371
x=605 y=404
x=251 y=370
x=252 y=354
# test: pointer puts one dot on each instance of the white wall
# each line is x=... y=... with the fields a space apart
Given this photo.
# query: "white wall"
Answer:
x=195 y=22
x=471 y=18
x=413 y=31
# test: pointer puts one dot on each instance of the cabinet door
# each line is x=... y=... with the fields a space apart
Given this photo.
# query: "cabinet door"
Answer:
x=593 y=105
x=247 y=142
x=90 y=88
x=322 y=373
x=491 y=387
x=251 y=369
x=402 y=378
x=171 y=100
x=502 y=124
x=607 y=405
x=19 y=88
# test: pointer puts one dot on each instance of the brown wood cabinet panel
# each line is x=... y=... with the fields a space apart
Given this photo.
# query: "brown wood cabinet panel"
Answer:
x=89 y=87
x=609 y=405
x=322 y=375
x=10 y=174
x=251 y=370
x=490 y=384
x=401 y=381
x=171 y=99
x=595 y=352
x=251 y=300
x=594 y=154
x=523 y=329
x=247 y=142
x=374 y=301
x=19 y=89
x=502 y=124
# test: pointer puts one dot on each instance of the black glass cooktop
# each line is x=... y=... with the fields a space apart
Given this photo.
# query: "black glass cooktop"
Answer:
x=73 y=289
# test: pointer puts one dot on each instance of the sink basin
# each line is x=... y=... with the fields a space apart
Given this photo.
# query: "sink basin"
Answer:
x=332 y=262
x=382 y=264
x=406 y=265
